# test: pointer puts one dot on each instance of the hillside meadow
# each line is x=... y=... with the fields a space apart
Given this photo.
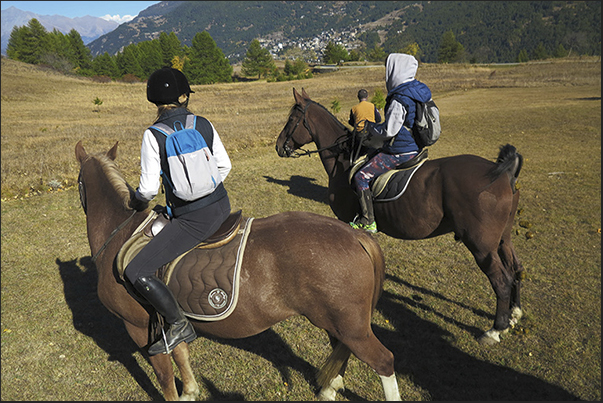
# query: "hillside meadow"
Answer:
x=59 y=342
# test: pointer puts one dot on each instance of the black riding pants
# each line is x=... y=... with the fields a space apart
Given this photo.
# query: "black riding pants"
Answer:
x=181 y=234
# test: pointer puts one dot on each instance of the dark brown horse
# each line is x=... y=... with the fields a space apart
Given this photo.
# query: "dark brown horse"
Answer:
x=468 y=195
x=295 y=263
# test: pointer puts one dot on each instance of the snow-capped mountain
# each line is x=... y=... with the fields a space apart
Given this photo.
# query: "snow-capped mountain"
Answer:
x=88 y=27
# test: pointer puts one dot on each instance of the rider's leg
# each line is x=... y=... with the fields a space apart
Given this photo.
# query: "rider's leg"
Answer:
x=178 y=236
x=379 y=164
x=159 y=295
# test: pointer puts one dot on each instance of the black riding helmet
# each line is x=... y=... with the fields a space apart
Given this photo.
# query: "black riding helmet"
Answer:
x=166 y=85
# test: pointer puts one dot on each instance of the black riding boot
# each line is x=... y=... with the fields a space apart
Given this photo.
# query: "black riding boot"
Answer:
x=159 y=295
x=367 y=219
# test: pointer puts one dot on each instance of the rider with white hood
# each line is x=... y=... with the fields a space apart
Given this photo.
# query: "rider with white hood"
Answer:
x=403 y=93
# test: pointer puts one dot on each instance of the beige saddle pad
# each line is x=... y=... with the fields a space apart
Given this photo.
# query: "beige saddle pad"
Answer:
x=204 y=280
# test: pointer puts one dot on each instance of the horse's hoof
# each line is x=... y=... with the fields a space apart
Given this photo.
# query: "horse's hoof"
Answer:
x=327 y=394
x=489 y=338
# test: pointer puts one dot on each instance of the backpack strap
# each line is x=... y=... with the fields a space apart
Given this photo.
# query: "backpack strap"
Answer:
x=191 y=122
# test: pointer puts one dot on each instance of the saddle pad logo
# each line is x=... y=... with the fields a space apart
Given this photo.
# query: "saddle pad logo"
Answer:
x=217 y=298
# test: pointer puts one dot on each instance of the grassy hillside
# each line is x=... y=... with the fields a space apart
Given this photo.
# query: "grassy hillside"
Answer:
x=60 y=343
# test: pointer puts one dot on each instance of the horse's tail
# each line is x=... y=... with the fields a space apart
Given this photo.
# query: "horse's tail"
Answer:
x=338 y=358
x=509 y=161
x=376 y=254
x=341 y=353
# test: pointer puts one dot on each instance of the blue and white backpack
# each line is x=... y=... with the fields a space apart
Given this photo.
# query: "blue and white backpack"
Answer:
x=193 y=171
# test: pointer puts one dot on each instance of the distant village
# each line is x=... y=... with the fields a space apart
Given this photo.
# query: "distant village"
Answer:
x=311 y=49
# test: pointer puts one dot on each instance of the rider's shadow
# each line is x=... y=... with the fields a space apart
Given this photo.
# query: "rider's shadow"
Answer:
x=302 y=186
x=91 y=318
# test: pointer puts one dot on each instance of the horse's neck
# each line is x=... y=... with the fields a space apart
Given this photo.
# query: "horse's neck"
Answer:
x=334 y=160
x=106 y=212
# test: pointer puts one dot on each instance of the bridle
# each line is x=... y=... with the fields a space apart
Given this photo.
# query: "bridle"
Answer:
x=83 y=202
x=296 y=153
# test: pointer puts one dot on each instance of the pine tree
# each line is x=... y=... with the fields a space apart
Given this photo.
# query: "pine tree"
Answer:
x=335 y=53
x=206 y=64
x=57 y=51
x=80 y=53
x=450 y=49
x=560 y=51
x=170 y=47
x=540 y=52
x=257 y=61
x=104 y=65
x=377 y=54
x=17 y=44
x=127 y=62
x=150 y=57
x=523 y=56
x=26 y=42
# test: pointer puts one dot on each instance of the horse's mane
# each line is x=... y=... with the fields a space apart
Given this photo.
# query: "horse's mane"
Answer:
x=333 y=117
x=115 y=178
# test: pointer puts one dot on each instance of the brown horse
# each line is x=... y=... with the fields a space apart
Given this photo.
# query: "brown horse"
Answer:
x=468 y=195
x=295 y=263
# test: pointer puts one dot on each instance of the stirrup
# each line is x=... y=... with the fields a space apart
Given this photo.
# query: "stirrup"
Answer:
x=163 y=346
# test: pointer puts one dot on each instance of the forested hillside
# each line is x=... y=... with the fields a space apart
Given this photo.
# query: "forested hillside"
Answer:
x=489 y=31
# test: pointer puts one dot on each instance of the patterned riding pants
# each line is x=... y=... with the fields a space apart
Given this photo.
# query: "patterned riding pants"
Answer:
x=379 y=164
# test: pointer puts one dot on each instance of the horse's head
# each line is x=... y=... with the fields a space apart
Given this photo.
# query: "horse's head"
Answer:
x=310 y=122
x=295 y=134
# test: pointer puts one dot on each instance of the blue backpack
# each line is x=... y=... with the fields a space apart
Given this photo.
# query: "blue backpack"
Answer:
x=193 y=171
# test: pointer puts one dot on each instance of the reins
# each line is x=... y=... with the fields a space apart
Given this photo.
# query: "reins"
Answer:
x=82 y=191
x=115 y=231
x=300 y=151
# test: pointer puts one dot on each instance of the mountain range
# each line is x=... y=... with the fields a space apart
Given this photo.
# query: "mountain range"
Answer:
x=88 y=27
x=489 y=31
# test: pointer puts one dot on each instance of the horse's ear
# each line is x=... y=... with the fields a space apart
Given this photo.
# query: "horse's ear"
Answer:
x=299 y=99
x=305 y=94
x=80 y=153
x=112 y=153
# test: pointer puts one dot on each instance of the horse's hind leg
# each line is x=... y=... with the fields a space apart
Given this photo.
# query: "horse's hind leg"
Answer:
x=506 y=251
x=514 y=266
x=502 y=283
x=190 y=388
x=369 y=349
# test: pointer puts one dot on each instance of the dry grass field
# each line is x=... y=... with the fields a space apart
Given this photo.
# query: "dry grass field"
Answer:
x=60 y=343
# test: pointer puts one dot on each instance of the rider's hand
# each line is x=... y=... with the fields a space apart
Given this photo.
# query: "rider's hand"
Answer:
x=137 y=204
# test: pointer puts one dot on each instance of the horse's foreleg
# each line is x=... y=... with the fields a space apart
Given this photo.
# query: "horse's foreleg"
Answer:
x=190 y=388
x=162 y=365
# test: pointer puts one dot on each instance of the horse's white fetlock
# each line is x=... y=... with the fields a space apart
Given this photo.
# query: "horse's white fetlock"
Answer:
x=492 y=336
x=329 y=392
x=390 y=387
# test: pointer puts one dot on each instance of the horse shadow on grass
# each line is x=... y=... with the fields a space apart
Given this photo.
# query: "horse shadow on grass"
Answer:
x=425 y=356
x=302 y=186
x=91 y=318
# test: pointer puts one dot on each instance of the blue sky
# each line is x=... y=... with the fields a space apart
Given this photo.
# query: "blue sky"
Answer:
x=72 y=9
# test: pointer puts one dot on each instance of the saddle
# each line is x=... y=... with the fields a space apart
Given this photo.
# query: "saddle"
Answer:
x=204 y=280
x=392 y=184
